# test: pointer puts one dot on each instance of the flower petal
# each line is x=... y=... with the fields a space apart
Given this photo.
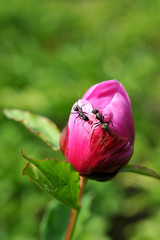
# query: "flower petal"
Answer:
x=78 y=140
x=101 y=94
x=122 y=117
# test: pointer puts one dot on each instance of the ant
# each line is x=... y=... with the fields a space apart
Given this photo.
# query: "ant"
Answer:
x=100 y=117
x=80 y=112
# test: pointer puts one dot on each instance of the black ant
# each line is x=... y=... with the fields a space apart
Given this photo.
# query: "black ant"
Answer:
x=100 y=117
x=80 y=112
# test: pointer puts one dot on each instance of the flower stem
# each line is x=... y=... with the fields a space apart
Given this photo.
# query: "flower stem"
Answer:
x=75 y=212
x=72 y=222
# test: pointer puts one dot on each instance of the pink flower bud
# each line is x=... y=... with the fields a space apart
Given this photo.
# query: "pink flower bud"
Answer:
x=99 y=143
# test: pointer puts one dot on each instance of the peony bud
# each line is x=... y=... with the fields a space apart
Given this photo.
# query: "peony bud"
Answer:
x=98 y=139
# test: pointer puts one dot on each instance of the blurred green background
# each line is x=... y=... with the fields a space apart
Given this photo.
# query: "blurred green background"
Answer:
x=51 y=52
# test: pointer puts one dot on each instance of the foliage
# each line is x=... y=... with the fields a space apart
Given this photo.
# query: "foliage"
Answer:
x=56 y=178
x=51 y=53
x=40 y=126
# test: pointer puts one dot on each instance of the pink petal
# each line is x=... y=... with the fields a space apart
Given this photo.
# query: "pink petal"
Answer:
x=121 y=117
x=101 y=94
x=78 y=141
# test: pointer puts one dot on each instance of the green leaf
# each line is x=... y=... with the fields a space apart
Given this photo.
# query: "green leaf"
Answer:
x=39 y=125
x=85 y=217
x=141 y=170
x=52 y=226
x=56 y=178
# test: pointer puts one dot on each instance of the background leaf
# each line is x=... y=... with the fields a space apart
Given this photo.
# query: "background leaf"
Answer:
x=39 y=125
x=56 y=178
x=141 y=170
x=52 y=226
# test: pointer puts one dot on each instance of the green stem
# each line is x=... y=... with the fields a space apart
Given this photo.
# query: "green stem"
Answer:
x=75 y=212
x=72 y=223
